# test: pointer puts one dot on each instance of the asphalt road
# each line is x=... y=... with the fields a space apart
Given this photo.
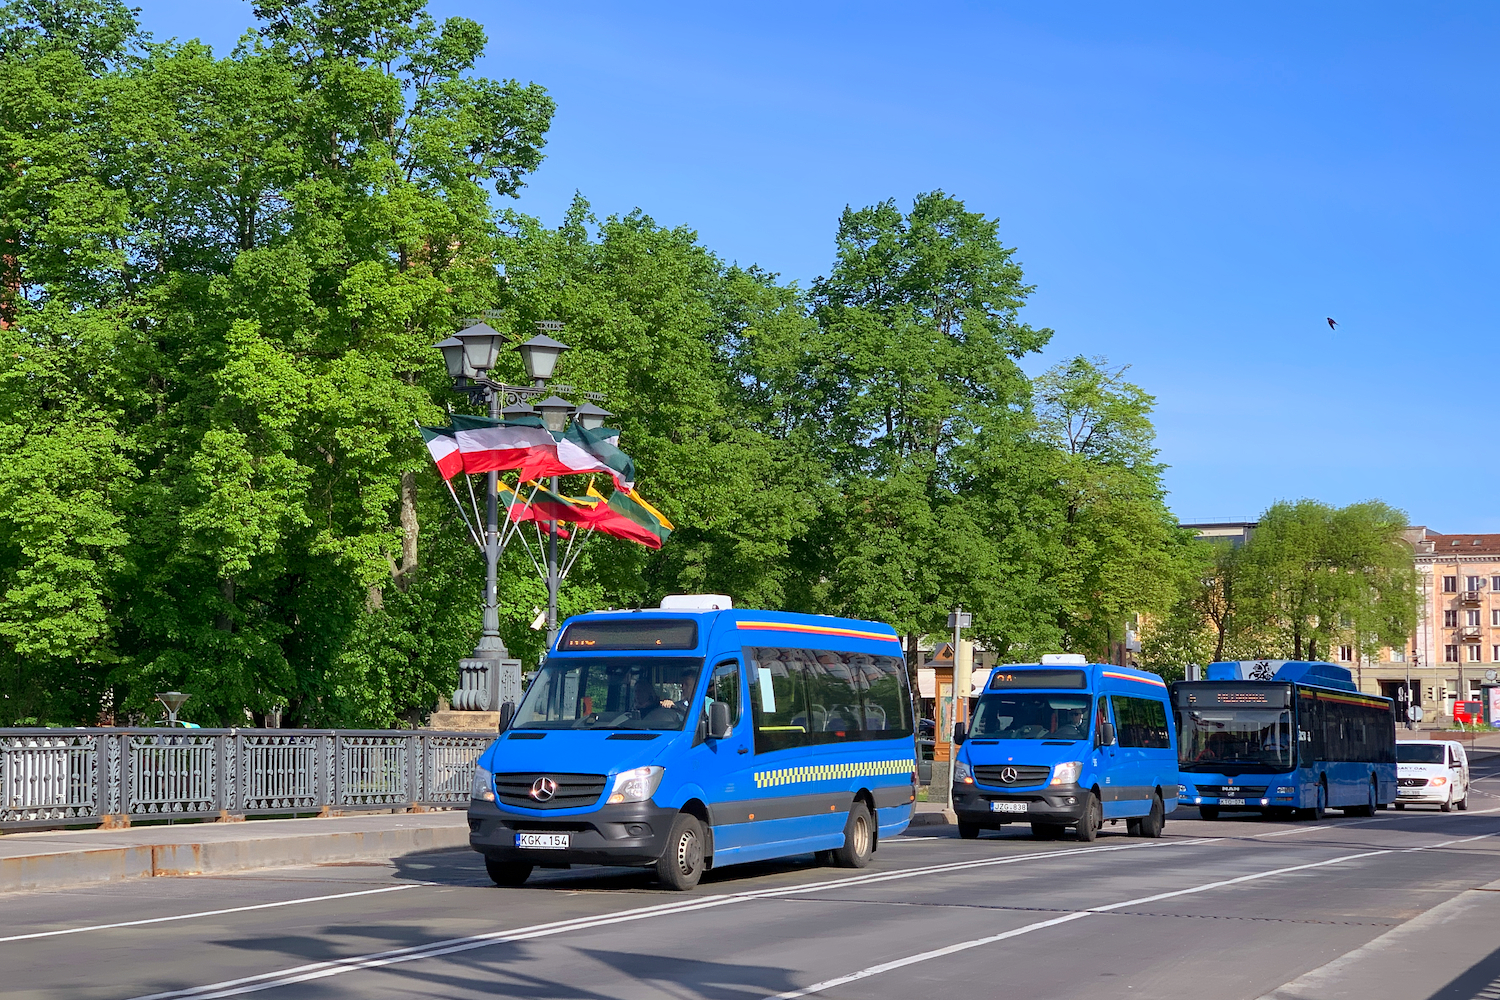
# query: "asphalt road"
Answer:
x=1230 y=909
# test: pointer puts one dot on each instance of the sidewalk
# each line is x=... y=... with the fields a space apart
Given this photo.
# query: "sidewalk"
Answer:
x=62 y=858
x=1449 y=951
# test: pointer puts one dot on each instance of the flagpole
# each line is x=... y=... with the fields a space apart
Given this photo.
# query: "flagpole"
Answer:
x=552 y=580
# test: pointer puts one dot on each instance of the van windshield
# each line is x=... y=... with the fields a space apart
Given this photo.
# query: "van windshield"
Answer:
x=1032 y=716
x=618 y=692
x=1418 y=753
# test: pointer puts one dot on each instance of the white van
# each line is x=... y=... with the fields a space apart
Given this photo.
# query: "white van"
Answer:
x=1432 y=772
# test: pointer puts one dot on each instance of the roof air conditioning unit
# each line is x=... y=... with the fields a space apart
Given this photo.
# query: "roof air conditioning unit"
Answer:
x=1064 y=660
x=696 y=602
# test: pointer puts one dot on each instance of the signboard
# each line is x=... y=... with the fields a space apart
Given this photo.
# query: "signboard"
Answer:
x=640 y=633
x=1072 y=680
x=1494 y=699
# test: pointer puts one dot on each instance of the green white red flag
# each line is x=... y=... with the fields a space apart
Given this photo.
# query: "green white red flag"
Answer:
x=490 y=445
x=443 y=448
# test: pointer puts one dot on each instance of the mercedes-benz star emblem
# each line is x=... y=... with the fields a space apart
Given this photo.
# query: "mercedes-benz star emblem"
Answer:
x=1007 y=774
x=543 y=789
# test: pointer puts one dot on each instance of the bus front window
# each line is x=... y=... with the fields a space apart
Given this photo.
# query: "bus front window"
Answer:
x=610 y=693
x=1023 y=716
x=1243 y=739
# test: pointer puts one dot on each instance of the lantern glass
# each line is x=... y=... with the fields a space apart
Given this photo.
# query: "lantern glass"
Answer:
x=591 y=417
x=453 y=356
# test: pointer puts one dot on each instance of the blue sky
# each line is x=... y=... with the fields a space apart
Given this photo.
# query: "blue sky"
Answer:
x=1192 y=189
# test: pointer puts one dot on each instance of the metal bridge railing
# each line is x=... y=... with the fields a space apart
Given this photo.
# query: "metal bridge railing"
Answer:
x=77 y=777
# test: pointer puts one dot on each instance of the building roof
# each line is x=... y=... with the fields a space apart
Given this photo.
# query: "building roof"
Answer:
x=1463 y=545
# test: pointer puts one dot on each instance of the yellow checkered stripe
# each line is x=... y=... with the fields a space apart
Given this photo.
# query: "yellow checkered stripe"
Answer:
x=832 y=772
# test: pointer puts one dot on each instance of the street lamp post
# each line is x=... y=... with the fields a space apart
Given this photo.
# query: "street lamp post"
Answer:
x=491 y=679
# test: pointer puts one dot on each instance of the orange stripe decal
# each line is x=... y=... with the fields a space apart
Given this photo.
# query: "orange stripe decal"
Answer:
x=816 y=630
x=1131 y=677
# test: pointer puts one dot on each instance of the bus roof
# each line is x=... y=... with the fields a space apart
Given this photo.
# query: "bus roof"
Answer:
x=1310 y=672
x=761 y=628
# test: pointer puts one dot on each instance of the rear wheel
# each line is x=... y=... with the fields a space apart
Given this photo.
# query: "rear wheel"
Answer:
x=968 y=831
x=681 y=865
x=1151 y=825
x=1463 y=803
x=507 y=873
x=1208 y=812
x=1047 y=831
x=859 y=839
x=1400 y=805
x=1093 y=816
x=1317 y=811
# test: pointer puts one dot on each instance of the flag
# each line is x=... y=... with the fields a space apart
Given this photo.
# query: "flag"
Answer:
x=582 y=451
x=626 y=516
x=490 y=445
x=543 y=506
x=443 y=448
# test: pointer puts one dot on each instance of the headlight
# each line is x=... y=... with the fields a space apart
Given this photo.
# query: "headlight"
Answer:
x=484 y=787
x=1067 y=773
x=963 y=773
x=636 y=785
x=1437 y=782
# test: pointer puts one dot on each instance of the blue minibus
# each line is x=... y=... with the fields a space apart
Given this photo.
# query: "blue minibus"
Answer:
x=686 y=739
x=1284 y=737
x=1066 y=743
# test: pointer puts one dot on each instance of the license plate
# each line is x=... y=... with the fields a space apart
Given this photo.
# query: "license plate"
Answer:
x=545 y=841
x=1413 y=792
x=1007 y=807
x=1231 y=802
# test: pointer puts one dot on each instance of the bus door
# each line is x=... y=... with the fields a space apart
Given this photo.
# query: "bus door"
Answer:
x=723 y=767
x=1107 y=762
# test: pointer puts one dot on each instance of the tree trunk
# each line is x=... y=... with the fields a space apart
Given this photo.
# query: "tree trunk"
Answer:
x=409 y=532
x=225 y=621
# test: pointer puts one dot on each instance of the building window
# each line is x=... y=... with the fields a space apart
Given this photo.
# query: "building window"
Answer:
x=1398 y=656
x=1450 y=654
x=1476 y=582
x=1473 y=616
x=1450 y=584
x=1450 y=619
x=1495 y=616
x=1495 y=654
x=1473 y=654
x=1346 y=653
x=1495 y=583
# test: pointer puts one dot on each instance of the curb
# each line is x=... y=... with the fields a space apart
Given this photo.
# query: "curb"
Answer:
x=79 y=867
x=929 y=819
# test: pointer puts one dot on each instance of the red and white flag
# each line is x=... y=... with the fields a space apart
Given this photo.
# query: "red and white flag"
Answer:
x=443 y=448
x=489 y=445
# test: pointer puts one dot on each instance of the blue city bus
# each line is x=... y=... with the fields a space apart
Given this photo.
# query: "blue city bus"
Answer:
x=684 y=740
x=1284 y=737
x=1067 y=743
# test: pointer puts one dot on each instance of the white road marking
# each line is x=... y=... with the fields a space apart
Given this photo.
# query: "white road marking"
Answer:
x=927 y=956
x=205 y=913
x=324 y=970
x=903 y=839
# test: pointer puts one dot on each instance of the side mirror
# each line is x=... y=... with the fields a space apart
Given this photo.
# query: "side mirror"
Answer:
x=1106 y=734
x=960 y=733
x=718 y=720
x=507 y=713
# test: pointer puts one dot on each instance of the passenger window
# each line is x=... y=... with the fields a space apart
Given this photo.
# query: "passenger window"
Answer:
x=806 y=696
x=881 y=693
x=1142 y=722
x=725 y=687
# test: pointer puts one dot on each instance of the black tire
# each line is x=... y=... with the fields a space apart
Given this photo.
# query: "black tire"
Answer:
x=681 y=864
x=1208 y=812
x=1368 y=809
x=1318 y=811
x=1447 y=807
x=1047 y=831
x=968 y=831
x=823 y=857
x=1463 y=803
x=507 y=873
x=1133 y=827
x=1400 y=805
x=1093 y=818
x=1150 y=825
x=859 y=838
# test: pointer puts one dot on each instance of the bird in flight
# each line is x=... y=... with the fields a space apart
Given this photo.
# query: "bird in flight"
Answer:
x=1331 y=324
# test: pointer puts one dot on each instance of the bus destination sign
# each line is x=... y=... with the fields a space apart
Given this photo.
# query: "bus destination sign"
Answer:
x=640 y=633
x=1065 y=679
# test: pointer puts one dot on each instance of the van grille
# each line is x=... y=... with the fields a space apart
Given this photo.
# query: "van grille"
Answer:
x=1025 y=775
x=1411 y=782
x=574 y=791
x=1233 y=791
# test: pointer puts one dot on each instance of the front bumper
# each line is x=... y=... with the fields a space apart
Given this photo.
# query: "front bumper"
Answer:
x=1062 y=805
x=1228 y=805
x=1422 y=796
x=631 y=834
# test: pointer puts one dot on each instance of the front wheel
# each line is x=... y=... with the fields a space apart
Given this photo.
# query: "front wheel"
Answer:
x=1368 y=809
x=859 y=839
x=1093 y=818
x=1317 y=811
x=968 y=831
x=681 y=865
x=507 y=873
x=1447 y=805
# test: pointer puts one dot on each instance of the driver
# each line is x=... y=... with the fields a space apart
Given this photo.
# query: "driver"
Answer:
x=1070 y=725
x=687 y=681
x=645 y=698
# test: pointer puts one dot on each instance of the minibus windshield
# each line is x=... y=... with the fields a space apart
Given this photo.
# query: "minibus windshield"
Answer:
x=1248 y=739
x=1032 y=716
x=1417 y=753
x=616 y=692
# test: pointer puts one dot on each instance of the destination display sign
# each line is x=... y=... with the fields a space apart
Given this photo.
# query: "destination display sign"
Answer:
x=639 y=633
x=1242 y=695
x=1066 y=679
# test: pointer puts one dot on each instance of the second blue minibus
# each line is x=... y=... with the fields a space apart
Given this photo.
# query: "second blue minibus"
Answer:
x=683 y=739
x=1067 y=743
